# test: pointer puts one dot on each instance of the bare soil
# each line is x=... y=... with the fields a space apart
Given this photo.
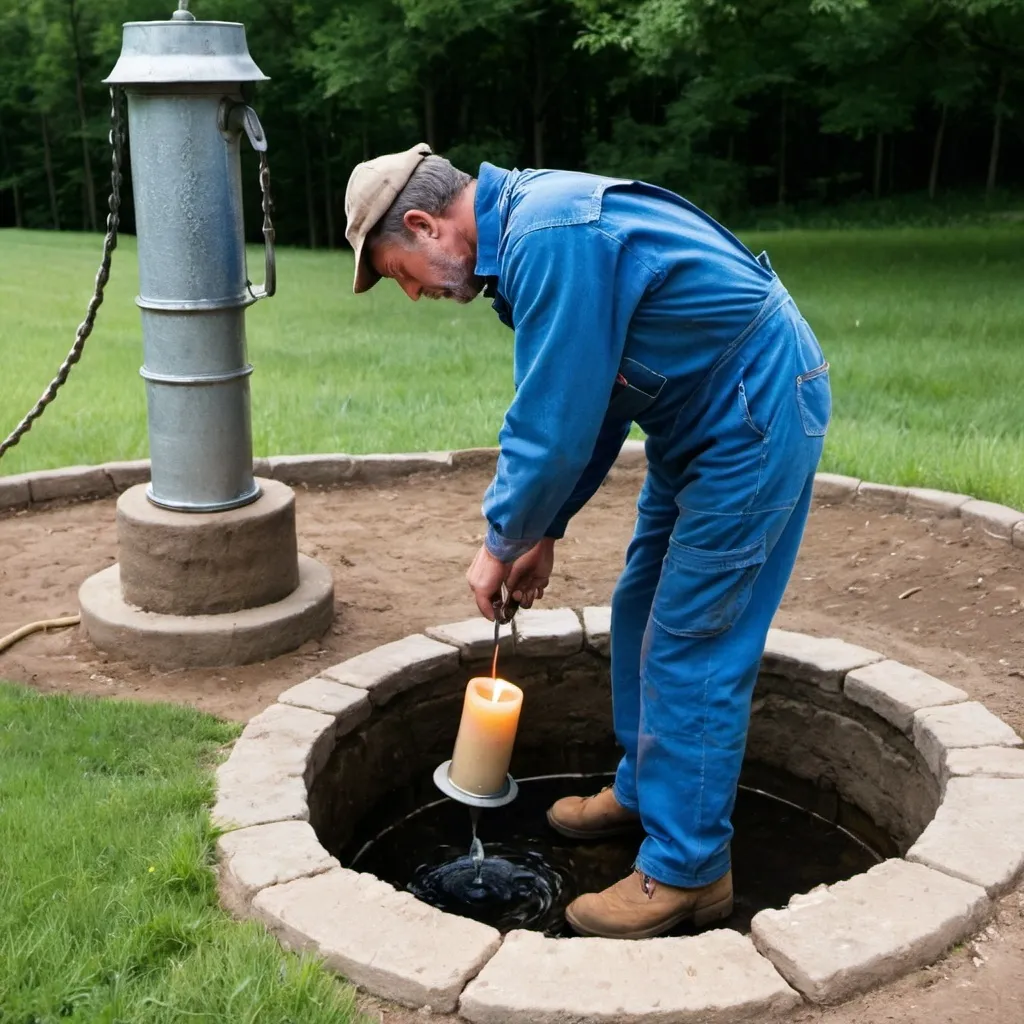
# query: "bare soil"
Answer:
x=399 y=555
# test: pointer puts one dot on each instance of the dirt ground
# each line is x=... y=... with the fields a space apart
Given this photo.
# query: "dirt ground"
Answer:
x=399 y=555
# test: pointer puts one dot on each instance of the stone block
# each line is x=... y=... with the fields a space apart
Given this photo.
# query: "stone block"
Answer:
x=371 y=469
x=883 y=497
x=307 y=735
x=547 y=633
x=473 y=637
x=261 y=467
x=897 y=692
x=996 y=521
x=937 y=730
x=833 y=487
x=984 y=762
x=386 y=942
x=311 y=470
x=257 y=796
x=127 y=474
x=977 y=833
x=842 y=939
x=476 y=458
x=70 y=482
x=714 y=978
x=597 y=629
x=1018 y=536
x=393 y=668
x=14 y=491
x=945 y=504
x=347 y=705
x=252 y=859
x=811 y=659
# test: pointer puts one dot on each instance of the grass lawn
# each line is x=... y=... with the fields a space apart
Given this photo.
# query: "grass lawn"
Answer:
x=108 y=910
x=922 y=326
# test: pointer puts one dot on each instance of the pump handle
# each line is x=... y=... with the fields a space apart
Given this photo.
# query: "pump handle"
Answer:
x=240 y=117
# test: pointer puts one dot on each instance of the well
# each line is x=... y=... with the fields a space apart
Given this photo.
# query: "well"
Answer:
x=863 y=741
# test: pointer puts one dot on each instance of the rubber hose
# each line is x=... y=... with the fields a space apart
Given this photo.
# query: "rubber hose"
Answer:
x=34 y=627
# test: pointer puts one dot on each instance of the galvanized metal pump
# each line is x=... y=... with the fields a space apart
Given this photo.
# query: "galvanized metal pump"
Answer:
x=206 y=538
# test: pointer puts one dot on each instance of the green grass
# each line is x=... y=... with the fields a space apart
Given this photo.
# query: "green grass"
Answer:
x=108 y=909
x=922 y=327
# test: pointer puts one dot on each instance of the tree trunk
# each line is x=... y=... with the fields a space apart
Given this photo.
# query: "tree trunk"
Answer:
x=940 y=135
x=539 y=105
x=90 y=188
x=876 y=188
x=310 y=198
x=892 y=166
x=9 y=166
x=48 y=167
x=328 y=188
x=997 y=134
x=781 y=200
x=730 y=149
x=430 y=115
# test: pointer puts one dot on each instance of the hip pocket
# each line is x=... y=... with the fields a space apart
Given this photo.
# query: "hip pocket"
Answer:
x=814 y=399
x=702 y=593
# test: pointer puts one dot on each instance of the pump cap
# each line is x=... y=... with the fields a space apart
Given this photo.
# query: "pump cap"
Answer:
x=179 y=51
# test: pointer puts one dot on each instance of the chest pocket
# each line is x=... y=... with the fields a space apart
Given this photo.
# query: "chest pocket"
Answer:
x=636 y=389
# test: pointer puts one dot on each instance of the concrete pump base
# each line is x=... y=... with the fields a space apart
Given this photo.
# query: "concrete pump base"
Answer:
x=197 y=641
x=206 y=563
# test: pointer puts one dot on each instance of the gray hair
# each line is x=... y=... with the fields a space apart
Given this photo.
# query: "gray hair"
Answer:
x=433 y=187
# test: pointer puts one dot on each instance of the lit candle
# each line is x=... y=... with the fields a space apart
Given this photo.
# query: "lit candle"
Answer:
x=487 y=732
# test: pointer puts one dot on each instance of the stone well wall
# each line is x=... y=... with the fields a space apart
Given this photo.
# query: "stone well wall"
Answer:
x=940 y=772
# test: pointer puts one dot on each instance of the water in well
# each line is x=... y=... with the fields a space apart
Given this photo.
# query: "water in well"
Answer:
x=514 y=871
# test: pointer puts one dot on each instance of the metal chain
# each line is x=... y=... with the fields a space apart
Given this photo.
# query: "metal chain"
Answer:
x=116 y=137
x=269 y=234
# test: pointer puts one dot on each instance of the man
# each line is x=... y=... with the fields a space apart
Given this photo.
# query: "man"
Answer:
x=630 y=305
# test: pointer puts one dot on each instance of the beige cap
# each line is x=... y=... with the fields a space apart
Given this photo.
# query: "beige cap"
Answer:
x=372 y=187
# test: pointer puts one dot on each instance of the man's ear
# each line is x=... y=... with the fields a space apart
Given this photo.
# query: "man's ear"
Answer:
x=420 y=223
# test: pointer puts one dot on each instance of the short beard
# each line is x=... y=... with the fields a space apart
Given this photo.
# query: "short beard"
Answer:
x=461 y=282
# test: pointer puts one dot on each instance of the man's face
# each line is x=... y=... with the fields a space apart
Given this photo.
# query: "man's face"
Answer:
x=437 y=264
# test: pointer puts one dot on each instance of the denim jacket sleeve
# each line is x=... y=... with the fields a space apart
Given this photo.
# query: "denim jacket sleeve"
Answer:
x=573 y=290
x=609 y=443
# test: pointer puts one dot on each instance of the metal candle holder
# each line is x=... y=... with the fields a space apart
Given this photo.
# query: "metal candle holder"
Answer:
x=506 y=795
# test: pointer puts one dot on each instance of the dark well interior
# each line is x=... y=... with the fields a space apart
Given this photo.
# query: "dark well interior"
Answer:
x=808 y=746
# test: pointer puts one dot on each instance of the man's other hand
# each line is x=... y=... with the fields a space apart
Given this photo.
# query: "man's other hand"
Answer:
x=531 y=573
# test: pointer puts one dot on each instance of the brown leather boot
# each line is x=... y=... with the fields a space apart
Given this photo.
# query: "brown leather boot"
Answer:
x=640 y=908
x=592 y=817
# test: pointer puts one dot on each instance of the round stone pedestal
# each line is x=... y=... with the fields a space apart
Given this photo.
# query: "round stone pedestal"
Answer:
x=195 y=590
x=201 y=641
x=205 y=563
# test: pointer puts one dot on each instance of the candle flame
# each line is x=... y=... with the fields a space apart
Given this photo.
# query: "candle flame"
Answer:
x=499 y=689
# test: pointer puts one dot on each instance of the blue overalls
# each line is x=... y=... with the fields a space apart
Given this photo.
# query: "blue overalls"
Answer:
x=631 y=305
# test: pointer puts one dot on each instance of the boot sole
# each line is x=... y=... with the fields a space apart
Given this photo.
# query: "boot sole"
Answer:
x=700 y=917
x=605 y=833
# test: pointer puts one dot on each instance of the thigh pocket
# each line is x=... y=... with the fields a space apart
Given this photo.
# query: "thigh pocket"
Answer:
x=702 y=593
x=814 y=398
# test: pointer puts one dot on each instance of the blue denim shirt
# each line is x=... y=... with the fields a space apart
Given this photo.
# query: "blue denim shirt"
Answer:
x=622 y=297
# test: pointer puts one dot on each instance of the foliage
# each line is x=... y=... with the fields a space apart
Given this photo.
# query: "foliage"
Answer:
x=737 y=105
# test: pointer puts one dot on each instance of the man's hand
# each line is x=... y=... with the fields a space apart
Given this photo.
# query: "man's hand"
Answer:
x=485 y=578
x=531 y=573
